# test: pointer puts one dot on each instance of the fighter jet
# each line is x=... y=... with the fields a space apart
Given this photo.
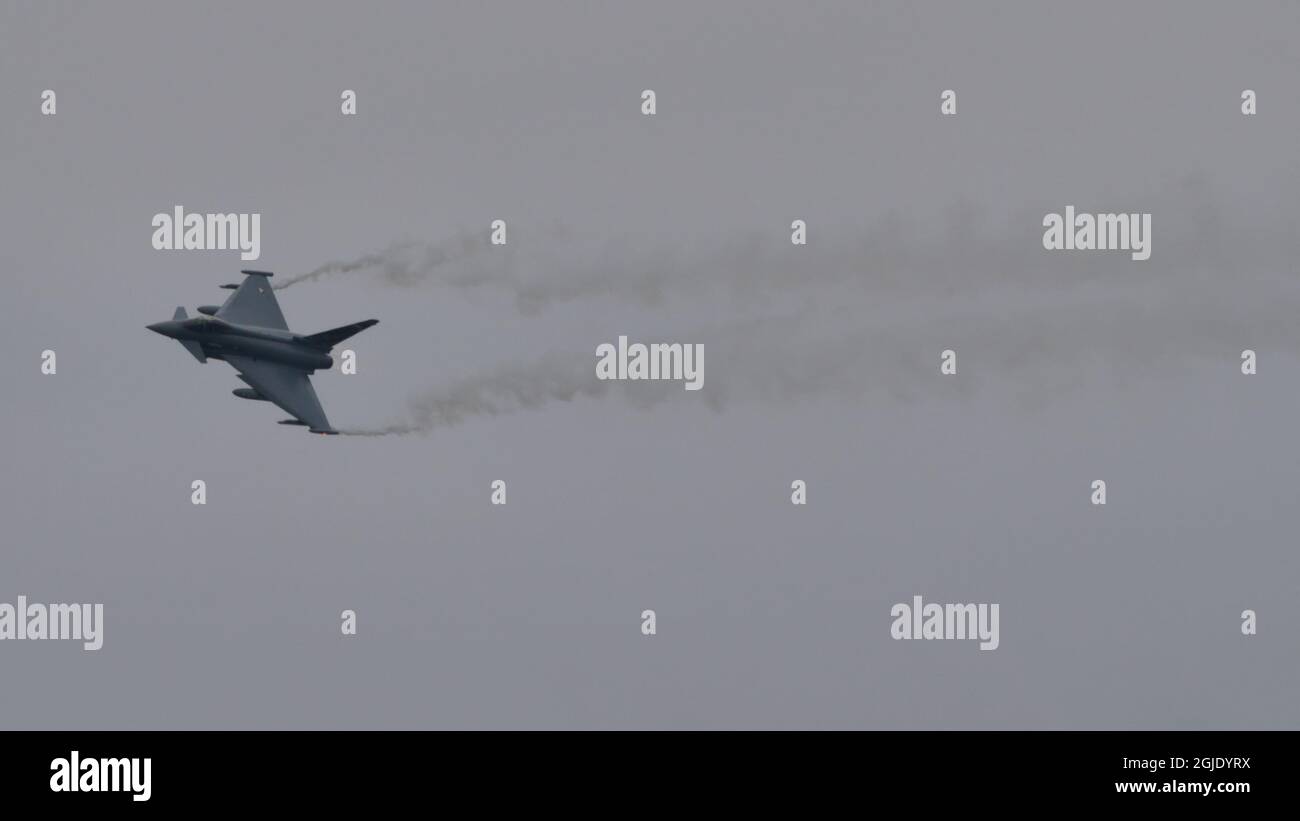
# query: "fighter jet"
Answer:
x=250 y=333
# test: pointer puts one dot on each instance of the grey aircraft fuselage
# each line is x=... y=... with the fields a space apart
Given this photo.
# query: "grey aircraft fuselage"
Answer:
x=249 y=332
x=217 y=337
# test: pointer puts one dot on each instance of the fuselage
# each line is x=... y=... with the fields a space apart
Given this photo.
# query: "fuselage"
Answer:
x=217 y=338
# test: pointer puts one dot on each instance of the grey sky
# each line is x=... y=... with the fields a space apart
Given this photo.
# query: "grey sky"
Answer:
x=821 y=364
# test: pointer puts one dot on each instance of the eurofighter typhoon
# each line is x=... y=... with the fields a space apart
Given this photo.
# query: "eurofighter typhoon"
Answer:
x=250 y=333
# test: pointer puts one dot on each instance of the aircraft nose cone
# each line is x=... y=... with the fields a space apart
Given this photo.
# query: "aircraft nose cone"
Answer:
x=158 y=328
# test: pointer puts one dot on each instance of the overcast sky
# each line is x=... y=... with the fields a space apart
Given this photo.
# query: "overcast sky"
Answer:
x=821 y=364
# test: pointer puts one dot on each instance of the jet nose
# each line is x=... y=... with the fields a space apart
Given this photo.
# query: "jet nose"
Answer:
x=159 y=328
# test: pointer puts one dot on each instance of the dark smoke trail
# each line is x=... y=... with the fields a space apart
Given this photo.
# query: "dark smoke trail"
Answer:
x=868 y=315
x=402 y=263
x=507 y=390
x=1039 y=350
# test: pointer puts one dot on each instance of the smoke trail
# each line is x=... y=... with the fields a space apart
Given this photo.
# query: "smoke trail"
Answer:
x=868 y=317
x=402 y=263
x=510 y=389
x=959 y=252
x=1037 y=350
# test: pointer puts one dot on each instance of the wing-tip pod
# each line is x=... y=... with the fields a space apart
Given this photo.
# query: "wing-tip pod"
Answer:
x=310 y=429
